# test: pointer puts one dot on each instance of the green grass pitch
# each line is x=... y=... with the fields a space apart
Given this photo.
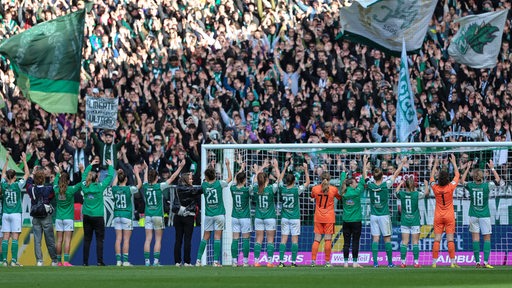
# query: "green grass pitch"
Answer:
x=318 y=277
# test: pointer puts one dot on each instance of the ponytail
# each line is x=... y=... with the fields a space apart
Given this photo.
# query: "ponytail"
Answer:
x=325 y=182
x=262 y=178
x=63 y=183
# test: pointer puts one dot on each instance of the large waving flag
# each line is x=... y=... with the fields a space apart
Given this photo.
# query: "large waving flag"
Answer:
x=406 y=119
x=46 y=61
x=384 y=23
x=478 y=41
x=12 y=165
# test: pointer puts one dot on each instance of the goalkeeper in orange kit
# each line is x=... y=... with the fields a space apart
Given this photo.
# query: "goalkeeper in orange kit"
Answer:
x=444 y=216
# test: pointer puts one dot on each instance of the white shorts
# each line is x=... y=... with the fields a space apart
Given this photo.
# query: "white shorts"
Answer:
x=380 y=225
x=264 y=224
x=242 y=225
x=290 y=227
x=64 y=225
x=11 y=223
x=410 y=229
x=216 y=223
x=480 y=225
x=121 y=223
x=154 y=222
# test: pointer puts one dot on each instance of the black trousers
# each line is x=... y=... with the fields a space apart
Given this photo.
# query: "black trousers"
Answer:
x=94 y=225
x=351 y=234
x=184 y=228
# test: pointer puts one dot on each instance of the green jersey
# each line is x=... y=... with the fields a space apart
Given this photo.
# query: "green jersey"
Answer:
x=290 y=201
x=154 y=198
x=94 y=205
x=65 y=201
x=265 y=206
x=352 y=211
x=214 y=202
x=241 y=202
x=410 y=210
x=123 y=201
x=12 y=196
x=479 y=199
x=379 y=198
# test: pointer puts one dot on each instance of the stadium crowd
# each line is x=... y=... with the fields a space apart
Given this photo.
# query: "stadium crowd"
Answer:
x=266 y=71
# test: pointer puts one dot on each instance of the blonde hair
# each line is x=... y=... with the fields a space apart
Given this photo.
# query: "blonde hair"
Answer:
x=91 y=177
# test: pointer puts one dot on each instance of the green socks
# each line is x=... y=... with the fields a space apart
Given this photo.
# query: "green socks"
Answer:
x=66 y=257
x=282 y=249
x=234 y=249
x=375 y=252
x=14 y=250
x=389 y=252
x=257 y=251
x=245 y=247
x=202 y=246
x=487 y=250
x=476 y=250
x=270 y=252
x=403 y=252
x=295 y=251
x=5 y=246
x=216 y=250
x=416 y=252
x=118 y=257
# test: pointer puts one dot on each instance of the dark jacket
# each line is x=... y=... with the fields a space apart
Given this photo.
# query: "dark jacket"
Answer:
x=45 y=192
x=186 y=196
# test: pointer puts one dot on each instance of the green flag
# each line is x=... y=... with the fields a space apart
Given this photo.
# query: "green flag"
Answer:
x=46 y=61
x=11 y=165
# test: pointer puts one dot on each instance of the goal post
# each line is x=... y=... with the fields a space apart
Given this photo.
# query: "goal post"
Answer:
x=326 y=157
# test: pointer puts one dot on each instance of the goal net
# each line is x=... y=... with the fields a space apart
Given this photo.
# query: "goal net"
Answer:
x=327 y=157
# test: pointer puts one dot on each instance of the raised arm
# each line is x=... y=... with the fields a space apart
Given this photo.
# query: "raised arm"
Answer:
x=173 y=176
x=366 y=166
x=427 y=188
x=434 y=169
x=306 y=174
x=230 y=174
x=286 y=164
x=25 y=166
x=496 y=175
x=466 y=171
x=110 y=174
x=136 y=171
x=146 y=168
x=6 y=164
x=455 y=168
x=275 y=164
x=399 y=169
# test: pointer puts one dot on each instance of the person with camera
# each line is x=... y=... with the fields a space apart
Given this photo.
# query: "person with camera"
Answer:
x=184 y=206
x=41 y=195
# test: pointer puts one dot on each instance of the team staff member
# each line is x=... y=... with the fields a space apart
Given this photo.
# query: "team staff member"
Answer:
x=351 y=192
x=93 y=209
x=444 y=215
x=184 y=207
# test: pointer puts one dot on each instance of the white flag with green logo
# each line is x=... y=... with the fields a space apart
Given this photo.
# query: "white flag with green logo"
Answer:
x=367 y=3
x=406 y=119
x=383 y=24
x=478 y=41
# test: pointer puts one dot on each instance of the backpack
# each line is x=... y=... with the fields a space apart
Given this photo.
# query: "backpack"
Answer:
x=40 y=210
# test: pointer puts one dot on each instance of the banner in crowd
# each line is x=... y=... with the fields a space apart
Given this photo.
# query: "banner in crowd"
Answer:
x=478 y=41
x=385 y=23
x=367 y=3
x=46 y=60
x=101 y=112
x=406 y=118
x=11 y=165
